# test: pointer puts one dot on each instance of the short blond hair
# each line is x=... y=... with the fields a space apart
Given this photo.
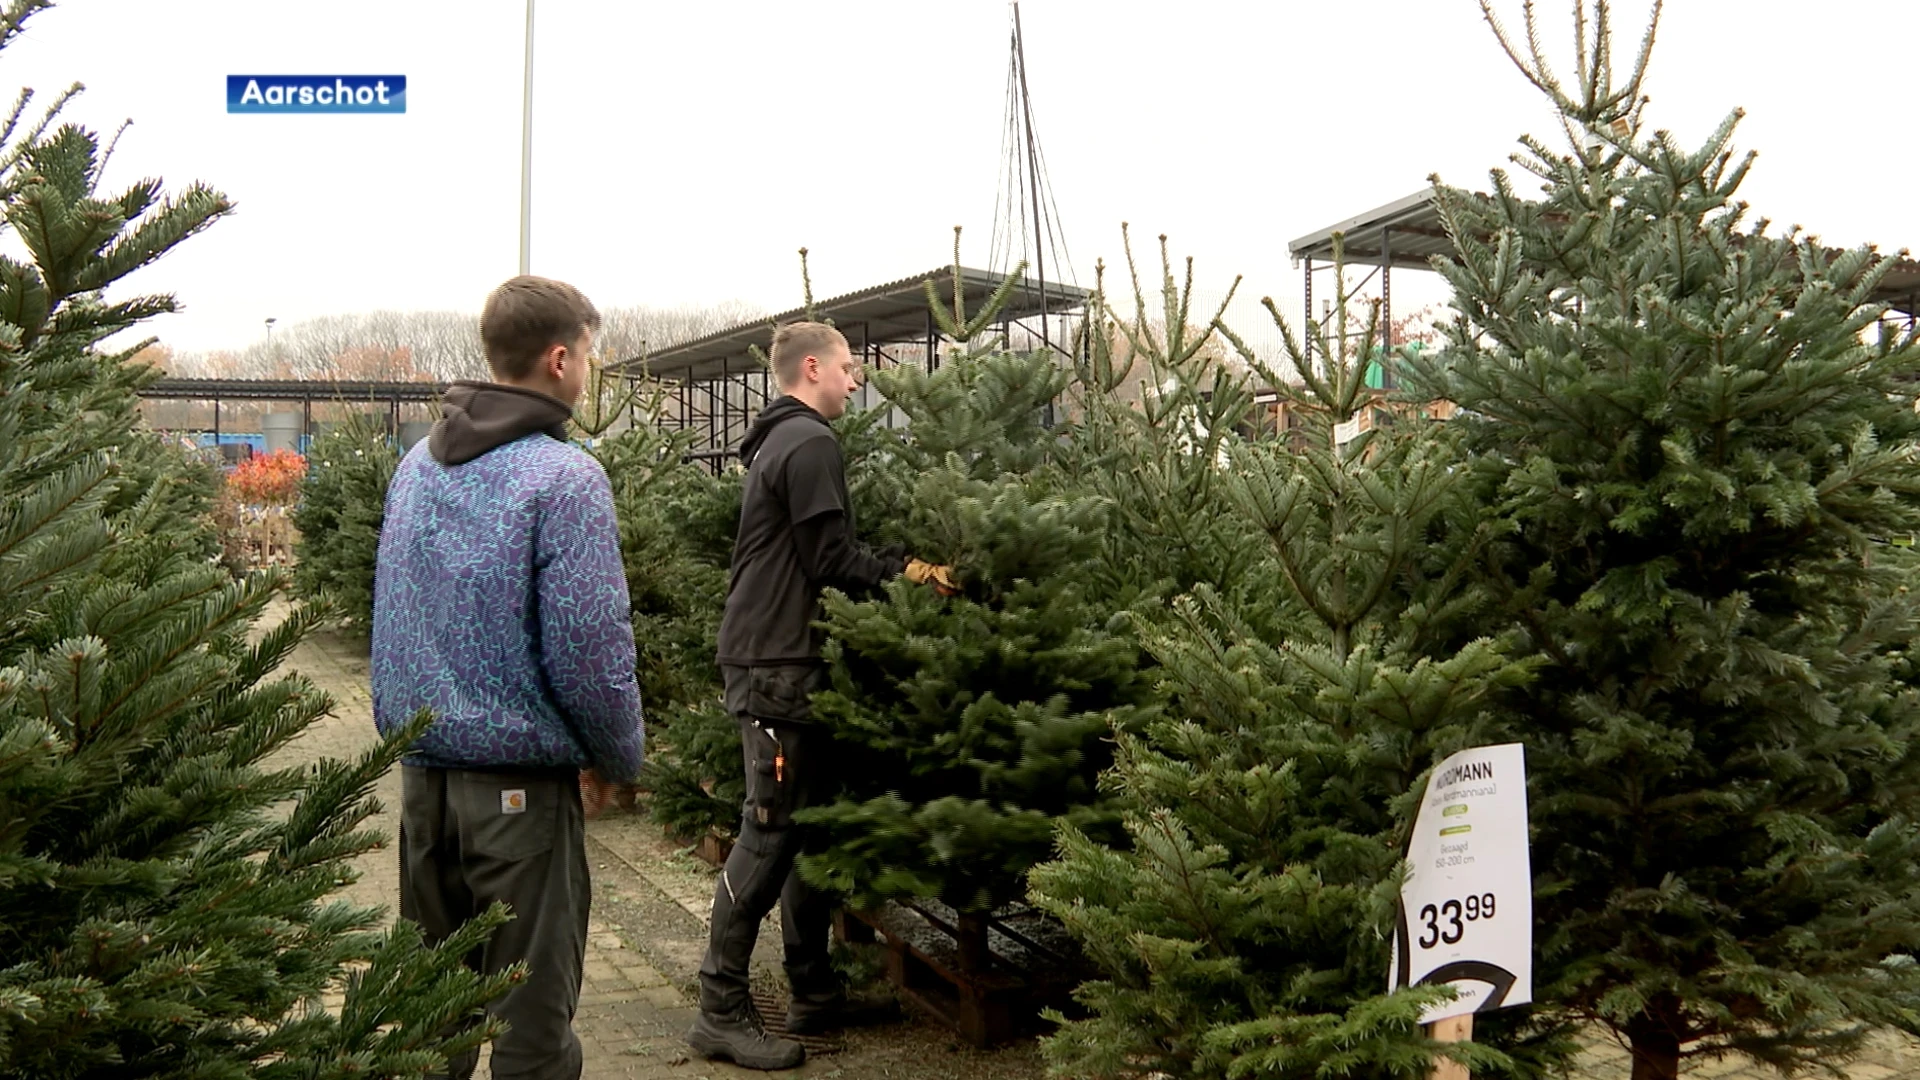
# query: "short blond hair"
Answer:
x=795 y=341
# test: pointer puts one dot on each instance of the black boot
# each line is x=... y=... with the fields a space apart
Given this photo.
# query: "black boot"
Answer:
x=813 y=1014
x=742 y=1039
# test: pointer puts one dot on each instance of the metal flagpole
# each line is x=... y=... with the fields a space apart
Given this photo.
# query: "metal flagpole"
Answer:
x=526 y=148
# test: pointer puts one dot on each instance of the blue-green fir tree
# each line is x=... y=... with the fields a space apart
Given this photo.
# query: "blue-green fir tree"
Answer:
x=167 y=894
x=970 y=726
x=677 y=522
x=1244 y=931
x=343 y=500
x=1153 y=405
x=1694 y=436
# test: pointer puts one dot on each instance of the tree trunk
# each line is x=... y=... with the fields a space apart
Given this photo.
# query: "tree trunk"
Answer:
x=1655 y=1042
x=974 y=958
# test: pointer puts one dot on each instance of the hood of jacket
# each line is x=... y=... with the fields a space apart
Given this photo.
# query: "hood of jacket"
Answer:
x=782 y=409
x=475 y=417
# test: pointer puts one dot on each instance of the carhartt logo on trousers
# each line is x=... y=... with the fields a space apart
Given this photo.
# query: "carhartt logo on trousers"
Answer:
x=513 y=801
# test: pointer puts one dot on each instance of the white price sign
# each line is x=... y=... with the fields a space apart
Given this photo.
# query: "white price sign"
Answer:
x=1466 y=910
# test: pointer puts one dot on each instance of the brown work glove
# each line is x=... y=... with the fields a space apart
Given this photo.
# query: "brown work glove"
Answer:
x=921 y=572
x=595 y=793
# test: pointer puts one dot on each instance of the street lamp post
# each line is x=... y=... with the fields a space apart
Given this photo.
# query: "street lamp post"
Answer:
x=526 y=147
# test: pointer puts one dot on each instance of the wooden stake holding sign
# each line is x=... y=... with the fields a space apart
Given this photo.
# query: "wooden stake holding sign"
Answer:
x=1452 y=1029
x=1466 y=910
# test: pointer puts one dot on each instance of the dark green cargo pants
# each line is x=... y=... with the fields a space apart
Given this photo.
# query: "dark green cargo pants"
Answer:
x=470 y=838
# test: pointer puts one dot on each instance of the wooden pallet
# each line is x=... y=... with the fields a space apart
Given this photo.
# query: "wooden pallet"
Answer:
x=711 y=848
x=986 y=977
x=773 y=1010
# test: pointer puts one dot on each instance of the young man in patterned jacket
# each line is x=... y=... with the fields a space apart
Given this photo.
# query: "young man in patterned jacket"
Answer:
x=500 y=603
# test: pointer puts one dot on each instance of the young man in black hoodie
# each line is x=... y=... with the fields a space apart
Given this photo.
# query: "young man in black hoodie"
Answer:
x=796 y=538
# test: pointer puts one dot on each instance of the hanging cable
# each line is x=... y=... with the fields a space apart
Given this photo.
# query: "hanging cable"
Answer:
x=1027 y=225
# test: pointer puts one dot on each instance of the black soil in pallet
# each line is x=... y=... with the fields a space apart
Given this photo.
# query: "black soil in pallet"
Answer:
x=988 y=978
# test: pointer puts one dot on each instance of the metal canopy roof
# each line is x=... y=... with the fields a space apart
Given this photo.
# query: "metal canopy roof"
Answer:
x=881 y=315
x=1411 y=227
x=291 y=390
x=1900 y=289
x=1413 y=234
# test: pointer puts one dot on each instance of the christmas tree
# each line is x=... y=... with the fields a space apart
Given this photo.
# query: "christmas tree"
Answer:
x=164 y=893
x=343 y=500
x=968 y=727
x=677 y=587
x=676 y=538
x=1155 y=401
x=1693 y=442
x=1245 y=930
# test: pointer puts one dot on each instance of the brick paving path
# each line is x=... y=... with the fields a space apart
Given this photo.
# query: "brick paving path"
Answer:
x=648 y=930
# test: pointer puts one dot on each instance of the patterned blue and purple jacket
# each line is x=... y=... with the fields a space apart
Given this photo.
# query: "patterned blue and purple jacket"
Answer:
x=500 y=602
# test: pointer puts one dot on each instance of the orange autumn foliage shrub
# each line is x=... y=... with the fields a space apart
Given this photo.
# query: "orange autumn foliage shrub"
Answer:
x=268 y=479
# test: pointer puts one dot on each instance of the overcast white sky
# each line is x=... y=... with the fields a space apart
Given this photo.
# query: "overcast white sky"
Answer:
x=683 y=151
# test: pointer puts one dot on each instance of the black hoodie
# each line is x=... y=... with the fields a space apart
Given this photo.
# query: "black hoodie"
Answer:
x=475 y=417
x=796 y=538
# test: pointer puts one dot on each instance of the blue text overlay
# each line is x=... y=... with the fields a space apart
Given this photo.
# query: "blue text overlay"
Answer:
x=316 y=93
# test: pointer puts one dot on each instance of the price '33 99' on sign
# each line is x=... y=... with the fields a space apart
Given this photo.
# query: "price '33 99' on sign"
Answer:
x=1447 y=921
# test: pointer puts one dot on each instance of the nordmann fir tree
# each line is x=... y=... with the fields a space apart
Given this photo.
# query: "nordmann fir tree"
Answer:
x=677 y=588
x=676 y=555
x=343 y=501
x=1245 y=930
x=1153 y=408
x=1694 y=443
x=969 y=726
x=163 y=891
x=693 y=777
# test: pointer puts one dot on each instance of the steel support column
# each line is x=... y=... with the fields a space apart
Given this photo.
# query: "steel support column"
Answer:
x=723 y=419
x=1387 y=380
x=1307 y=323
x=716 y=409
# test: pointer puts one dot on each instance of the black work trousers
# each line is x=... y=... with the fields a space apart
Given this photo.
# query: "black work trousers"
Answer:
x=787 y=766
x=469 y=838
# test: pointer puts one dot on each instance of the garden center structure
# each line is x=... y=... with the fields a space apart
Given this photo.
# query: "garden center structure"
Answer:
x=1409 y=232
x=305 y=393
x=717 y=386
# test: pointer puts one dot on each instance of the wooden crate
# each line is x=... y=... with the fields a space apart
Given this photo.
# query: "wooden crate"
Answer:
x=987 y=977
x=711 y=848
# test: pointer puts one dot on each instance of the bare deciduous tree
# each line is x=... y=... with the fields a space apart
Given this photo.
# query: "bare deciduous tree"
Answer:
x=432 y=346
